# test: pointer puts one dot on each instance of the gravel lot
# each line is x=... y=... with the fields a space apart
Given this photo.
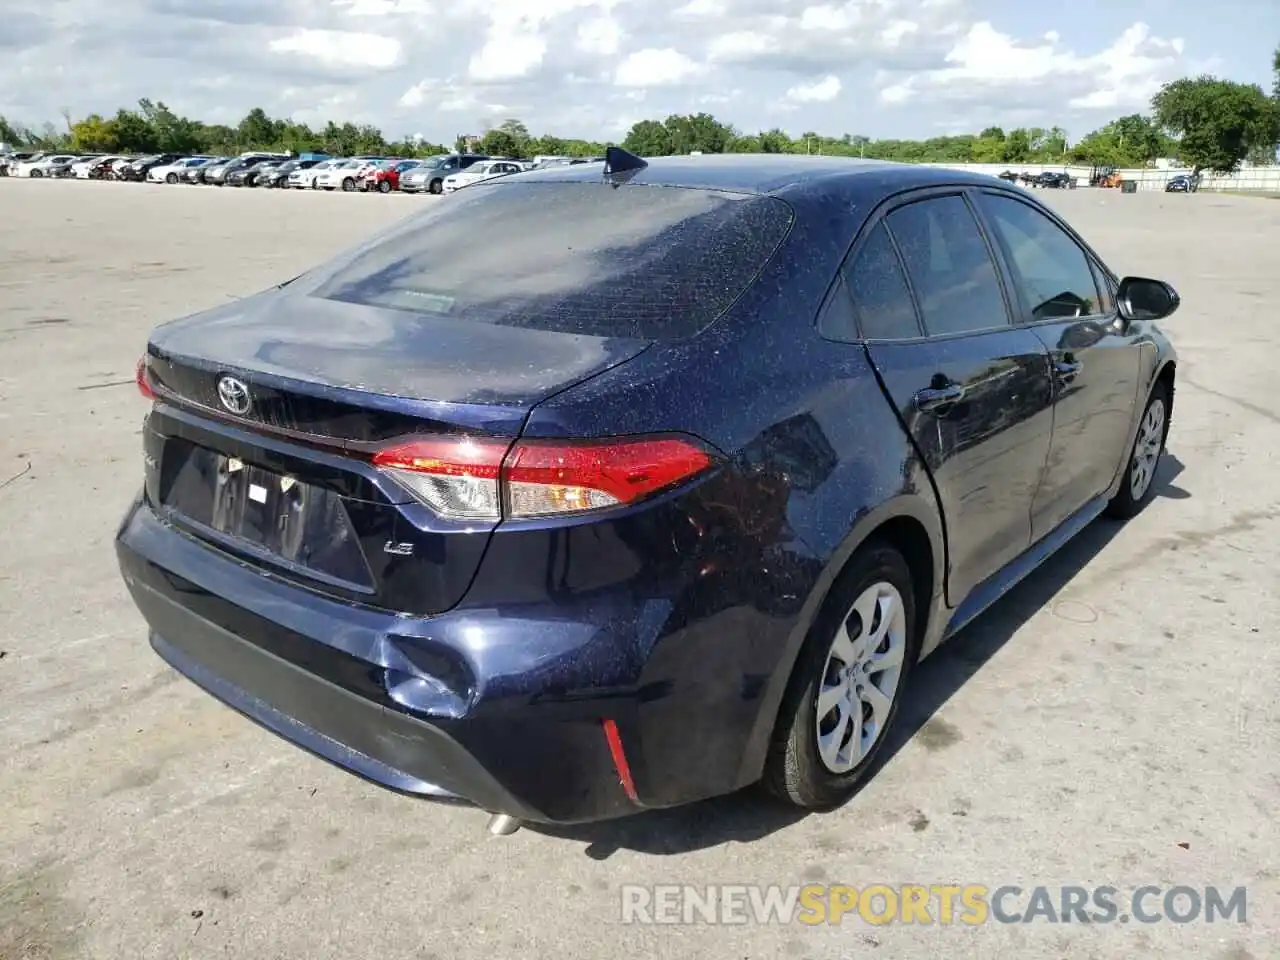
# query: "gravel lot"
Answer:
x=1115 y=720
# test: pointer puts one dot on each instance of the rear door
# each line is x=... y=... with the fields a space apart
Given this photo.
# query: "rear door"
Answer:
x=971 y=387
x=1096 y=357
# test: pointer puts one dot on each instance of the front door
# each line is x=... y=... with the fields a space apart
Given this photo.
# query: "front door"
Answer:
x=1096 y=357
x=972 y=389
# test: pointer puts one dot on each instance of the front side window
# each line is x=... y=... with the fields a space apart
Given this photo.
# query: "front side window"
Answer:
x=949 y=265
x=1106 y=290
x=1051 y=270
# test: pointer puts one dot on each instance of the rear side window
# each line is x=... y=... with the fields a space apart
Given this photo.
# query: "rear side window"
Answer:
x=950 y=267
x=1052 y=270
x=642 y=262
x=881 y=298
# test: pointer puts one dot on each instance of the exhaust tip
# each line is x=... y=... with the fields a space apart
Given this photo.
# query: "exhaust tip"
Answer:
x=503 y=825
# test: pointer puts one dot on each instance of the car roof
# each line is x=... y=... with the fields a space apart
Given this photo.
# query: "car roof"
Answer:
x=810 y=184
x=782 y=175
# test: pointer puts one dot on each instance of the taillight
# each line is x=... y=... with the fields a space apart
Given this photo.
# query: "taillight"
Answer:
x=143 y=380
x=457 y=477
x=483 y=479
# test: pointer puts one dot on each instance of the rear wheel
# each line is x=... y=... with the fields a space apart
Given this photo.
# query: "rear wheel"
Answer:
x=843 y=695
x=37 y=174
x=384 y=186
x=437 y=186
x=171 y=178
x=1139 y=487
x=348 y=185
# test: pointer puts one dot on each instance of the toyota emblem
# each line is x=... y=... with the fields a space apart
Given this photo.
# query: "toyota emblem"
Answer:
x=234 y=395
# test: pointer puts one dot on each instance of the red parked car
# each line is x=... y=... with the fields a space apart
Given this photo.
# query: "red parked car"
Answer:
x=386 y=177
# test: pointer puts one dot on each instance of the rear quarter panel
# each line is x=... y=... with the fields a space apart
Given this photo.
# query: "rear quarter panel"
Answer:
x=817 y=459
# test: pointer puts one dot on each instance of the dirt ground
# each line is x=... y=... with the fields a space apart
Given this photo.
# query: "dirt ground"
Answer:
x=1115 y=720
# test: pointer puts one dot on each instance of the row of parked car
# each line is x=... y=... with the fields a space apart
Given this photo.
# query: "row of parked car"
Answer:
x=1049 y=180
x=439 y=174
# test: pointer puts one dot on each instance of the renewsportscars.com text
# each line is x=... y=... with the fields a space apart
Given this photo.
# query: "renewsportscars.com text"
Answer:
x=928 y=904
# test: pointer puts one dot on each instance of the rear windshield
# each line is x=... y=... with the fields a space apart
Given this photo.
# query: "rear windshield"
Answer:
x=644 y=262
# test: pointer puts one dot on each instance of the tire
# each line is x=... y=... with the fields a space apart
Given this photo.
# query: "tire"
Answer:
x=36 y=174
x=795 y=769
x=348 y=185
x=1138 y=488
x=384 y=186
x=437 y=186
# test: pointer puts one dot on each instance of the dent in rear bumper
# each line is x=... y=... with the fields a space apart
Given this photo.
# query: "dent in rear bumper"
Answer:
x=335 y=679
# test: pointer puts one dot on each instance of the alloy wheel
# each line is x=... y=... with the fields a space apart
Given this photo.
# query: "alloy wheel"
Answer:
x=861 y=677
x=1146 y=449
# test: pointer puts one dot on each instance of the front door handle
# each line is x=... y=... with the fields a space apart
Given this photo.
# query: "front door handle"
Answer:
x=1066 y=369
x=935 y=398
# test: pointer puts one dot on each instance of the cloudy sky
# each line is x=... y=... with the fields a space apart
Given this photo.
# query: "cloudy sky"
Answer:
x=884 y=68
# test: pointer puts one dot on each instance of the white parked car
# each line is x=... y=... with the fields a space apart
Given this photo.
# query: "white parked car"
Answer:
x=81 y=169
x=306 y=179
x=341 y=176
x=42 y=167
x=485 y=170
x=173 y=172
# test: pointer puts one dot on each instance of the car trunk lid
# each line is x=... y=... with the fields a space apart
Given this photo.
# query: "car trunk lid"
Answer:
x=270 y=411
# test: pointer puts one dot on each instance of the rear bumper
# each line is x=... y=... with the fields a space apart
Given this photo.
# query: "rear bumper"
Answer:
x=399 y=702
x=389 y=748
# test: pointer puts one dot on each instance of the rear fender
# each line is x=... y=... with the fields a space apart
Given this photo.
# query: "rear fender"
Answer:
x=918 y=505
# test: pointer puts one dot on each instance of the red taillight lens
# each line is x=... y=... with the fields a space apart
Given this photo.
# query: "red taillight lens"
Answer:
x=550 y=478
x=481 y=479
x=143 y=380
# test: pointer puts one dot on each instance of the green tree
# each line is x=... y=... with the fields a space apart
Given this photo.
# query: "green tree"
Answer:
x=546 y=145
x=1017 y=146
x=1218 y=122
x=499 y=143
x=517 y=129
x=988 y=148
x=700 y=132
x=648 y=138
x=93 y=133
x=13 y=135
x=257 y=130
x=171 y=133
x=132 y=133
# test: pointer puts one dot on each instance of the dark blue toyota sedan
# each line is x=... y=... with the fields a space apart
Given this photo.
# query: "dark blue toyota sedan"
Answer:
x=605 y=488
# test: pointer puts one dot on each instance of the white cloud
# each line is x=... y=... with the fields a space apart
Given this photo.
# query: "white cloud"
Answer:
x=991 y=69
x=702 y=8
x=592 y=67
x=654 y=67
x=739 y=46
x=384 y=8
x=601 y=35
x=825 y=90
x=342 y=48
x=449 y=97
x=507 y=56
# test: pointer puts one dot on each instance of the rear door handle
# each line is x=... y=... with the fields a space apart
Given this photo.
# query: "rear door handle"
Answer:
x=934 y=398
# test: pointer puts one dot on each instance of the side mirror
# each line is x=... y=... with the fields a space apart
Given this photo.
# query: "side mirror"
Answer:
x=1139 y=298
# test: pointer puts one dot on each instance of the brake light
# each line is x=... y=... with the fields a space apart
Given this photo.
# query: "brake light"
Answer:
x=482 y=479
x=143 y=380
x=455 y=476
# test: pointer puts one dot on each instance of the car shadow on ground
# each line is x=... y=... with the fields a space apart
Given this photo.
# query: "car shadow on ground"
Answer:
x=750 y=815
